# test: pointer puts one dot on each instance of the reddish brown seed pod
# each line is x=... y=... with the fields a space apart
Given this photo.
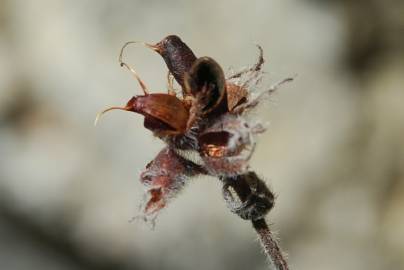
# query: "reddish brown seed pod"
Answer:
x=238 y=94
x=164 y=177
x=164 y=114
x=235 y=95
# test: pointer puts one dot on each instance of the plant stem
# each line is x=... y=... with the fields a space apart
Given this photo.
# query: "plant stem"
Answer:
x=270 y=244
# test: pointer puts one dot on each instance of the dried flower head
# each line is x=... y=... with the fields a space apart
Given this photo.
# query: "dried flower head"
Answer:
x=206 y=131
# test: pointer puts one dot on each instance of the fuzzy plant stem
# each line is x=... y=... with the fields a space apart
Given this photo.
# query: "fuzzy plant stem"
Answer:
x=270 y=244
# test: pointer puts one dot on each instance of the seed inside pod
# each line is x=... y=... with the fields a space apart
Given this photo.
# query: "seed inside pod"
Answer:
x=206 y=82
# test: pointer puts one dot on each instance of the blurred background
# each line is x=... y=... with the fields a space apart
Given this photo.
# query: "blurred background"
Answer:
x=334 y=152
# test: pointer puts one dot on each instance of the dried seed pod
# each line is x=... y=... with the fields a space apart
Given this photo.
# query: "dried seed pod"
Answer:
x=236 y=95
x=180 y=58
x=247 y=196
x=164 y=114
x=205 y=134
x=227 y=144
x=164 y=177
x=177 y=55
x=237 y=90
x=206 y=82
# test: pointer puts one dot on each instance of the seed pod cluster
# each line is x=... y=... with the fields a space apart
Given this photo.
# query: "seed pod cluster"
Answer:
x=205 y=130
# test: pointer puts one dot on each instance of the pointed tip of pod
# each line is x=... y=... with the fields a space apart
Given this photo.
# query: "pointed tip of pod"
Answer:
x=130 y=105
x=176 y=54
x=101 y=113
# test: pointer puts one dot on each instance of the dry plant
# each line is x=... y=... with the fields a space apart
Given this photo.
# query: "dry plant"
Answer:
x=207 y=131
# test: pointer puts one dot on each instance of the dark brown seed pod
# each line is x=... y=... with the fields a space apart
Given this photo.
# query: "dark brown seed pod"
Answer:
x=177 y=55
x=247 y=196
x=206 y=82
x=180 y=58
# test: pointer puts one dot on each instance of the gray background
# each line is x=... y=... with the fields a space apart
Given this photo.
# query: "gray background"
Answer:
x=334 y=152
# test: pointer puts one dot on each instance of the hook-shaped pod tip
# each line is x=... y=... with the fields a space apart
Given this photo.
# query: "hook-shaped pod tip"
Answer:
x=128 y=107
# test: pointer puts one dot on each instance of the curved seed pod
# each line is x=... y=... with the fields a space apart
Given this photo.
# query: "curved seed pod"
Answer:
x=177 y=55
x=164 y=114
x=206 y=82
x=167 y=109
x=247 y=196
